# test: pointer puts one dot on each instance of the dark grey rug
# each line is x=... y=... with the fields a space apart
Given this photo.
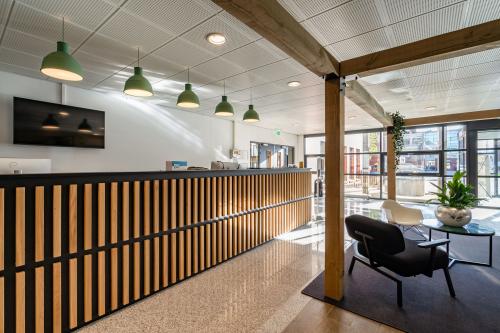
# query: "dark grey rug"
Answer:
x=427 y=306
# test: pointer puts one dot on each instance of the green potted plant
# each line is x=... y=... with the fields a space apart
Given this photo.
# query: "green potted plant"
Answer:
x=456 y=199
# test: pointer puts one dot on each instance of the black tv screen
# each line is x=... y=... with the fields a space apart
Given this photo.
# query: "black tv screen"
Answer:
x=50 y=124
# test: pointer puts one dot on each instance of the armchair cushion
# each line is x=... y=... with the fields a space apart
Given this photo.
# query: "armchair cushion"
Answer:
x=412 y=261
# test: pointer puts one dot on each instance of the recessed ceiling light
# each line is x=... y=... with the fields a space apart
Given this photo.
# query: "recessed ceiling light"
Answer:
x=293 y=83
x=216 y=38
x=63 y=113
x=431 y=107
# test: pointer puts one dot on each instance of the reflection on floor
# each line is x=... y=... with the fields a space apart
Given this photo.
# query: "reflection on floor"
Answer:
x=259 y=291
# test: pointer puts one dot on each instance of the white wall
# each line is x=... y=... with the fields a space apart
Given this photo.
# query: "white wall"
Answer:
x=139 y=136
x=246 y=133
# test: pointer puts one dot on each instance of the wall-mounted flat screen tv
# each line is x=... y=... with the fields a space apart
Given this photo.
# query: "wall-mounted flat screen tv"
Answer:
x=50 y=124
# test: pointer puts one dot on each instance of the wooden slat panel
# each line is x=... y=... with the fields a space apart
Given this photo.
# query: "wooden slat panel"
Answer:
x=87 y=216
x=114 y=239
x=156 y=229
x=87 y=287
x=165 y=212
x=20 y=226
x=56 y=297
x=73 y=293
x=208 y=252
x=220 y=205
x=20 y=302
x=214 y=225
x=224 y=225
x=202 y=228
x=136 y=246
x=147 y=231
x=125 y=236
x=173 y=225
x=73 y=220
x=101 y=241
x=181 y=233
x=39 y=299
x=2 y=304
x=235 y=220
x=189 y=231
x=195 y=230
x=39 y=223
x=2 y=239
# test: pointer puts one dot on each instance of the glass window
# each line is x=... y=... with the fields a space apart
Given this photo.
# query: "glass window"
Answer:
x=486 y=163
x=488 y=189
x=416 y=187
x=312 y=163
x=362 y=142
x=454 y=161
x=455 y=137
x=422 y=139
x=362 y=164
x=418 y=163
x=314 y=145
x=362 y=185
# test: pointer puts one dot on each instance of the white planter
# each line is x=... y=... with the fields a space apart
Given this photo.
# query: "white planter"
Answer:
x=453 y=217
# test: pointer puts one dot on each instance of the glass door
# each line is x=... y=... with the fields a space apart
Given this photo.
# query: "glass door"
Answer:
x=488 y=150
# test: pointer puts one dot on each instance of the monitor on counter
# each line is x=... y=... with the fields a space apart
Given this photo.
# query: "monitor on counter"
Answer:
x=50 y=124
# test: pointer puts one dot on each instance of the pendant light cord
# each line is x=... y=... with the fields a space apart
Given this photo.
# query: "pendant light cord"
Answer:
x=188 y=74
x=224 y=87
x=138 y=57
x=63 y=29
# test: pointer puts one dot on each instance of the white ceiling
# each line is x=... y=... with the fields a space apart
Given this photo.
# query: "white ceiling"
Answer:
x=104 y=35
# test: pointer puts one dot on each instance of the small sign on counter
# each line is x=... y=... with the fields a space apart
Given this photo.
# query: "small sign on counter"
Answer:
x=176 y=165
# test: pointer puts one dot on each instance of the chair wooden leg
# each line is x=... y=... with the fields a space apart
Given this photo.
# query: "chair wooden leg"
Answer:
x=448 y=281
x=351 y=266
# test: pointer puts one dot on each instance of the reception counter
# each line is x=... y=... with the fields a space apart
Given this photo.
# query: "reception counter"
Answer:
x=77 y=247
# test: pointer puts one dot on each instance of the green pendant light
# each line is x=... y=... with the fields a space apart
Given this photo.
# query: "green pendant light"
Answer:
x=187 y=98
x=137 y=84
x=251 y=116
x=224 y=108
x=60 y=64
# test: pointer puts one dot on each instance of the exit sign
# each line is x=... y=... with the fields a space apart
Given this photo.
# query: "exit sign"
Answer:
x=277 y=131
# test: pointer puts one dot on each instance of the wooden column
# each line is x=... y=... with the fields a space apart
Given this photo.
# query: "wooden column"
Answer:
x=391 y=168
x=334 y=180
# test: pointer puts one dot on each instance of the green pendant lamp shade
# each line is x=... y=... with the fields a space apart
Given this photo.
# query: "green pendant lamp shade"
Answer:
x=61 y=65
x=188 y=99
x=224 y=108
x=251 y=116
x=137 y=84
x=50 y=123
x=84 y=126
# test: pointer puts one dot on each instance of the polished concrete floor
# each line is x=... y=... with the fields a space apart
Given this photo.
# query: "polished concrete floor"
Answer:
x=259 y=291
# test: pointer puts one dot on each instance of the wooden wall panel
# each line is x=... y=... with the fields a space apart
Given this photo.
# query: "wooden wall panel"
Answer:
x=130 y=239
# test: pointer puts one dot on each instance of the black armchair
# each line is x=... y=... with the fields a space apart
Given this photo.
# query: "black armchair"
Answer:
x=381 y=244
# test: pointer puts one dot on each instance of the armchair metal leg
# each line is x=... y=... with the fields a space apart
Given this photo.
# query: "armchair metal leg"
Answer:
x=351 y=266
x=448 y=281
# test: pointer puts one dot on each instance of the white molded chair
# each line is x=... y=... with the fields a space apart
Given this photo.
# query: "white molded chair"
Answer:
x=406 y=218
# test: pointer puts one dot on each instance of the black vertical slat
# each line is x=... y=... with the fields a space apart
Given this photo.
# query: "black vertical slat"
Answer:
x=48 y=246
x=95 y=266
x=64 y=263
x=10 y=260
x=119 y=238
x=29 y=234
x=107 y=239
x=80 y=248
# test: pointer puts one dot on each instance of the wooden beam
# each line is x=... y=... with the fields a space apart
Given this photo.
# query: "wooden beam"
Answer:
x=454 y=117
x=334 y=180
x=270 y=20
x=362 y=98
x=391 y=168
x=456 y=43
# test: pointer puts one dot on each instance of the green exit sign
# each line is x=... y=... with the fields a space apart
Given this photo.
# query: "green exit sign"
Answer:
x=277 y=132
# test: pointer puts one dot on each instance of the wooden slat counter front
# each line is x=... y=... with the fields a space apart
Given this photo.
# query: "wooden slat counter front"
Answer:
x=76 y=247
